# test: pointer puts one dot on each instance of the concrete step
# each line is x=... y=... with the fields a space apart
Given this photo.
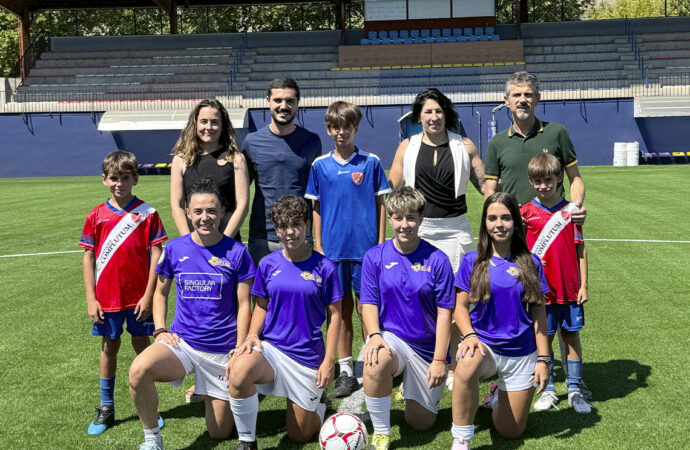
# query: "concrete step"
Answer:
x=571 y=57
x=661 y=46
x=118 y=53
x=296 y=50
x=291 y=57
x=572 y=48
x=671 y=54
x=668 y=36
x=572 y=40
x=574 y=66
x=123 y=86
x=132 y=69
x=143 y=78
x=296 y=66
x=145 y=60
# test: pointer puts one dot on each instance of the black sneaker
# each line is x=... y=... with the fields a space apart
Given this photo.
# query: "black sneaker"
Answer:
x=344 y=385
x=242 y=445
x=105 y=418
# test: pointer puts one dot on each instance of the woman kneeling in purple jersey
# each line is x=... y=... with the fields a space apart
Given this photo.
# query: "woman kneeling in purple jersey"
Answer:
x=505 y=333
x=213 y=276
x=407 y=299
x=284 y=353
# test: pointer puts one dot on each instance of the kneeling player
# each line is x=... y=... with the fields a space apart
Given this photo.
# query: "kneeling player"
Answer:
x=407 y=299
x=284 y=353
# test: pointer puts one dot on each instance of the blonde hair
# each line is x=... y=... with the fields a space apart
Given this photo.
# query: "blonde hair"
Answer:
x=405 y=198
x=188 y=146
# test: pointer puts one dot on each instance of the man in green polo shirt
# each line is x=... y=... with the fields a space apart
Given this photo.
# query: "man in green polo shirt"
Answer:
x=511 y=150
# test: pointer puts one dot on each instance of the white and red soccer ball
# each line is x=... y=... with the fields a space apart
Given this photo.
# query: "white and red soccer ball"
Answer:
x=343 y=431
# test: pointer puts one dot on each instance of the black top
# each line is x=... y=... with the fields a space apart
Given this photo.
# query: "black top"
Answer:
x=435 y=179
x=223 y=176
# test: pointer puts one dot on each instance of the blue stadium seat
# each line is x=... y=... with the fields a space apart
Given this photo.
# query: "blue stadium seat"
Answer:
x=461 y=38
x=465 y=31
x=364 y=42
x=414 y=34
x=385 y=41
x=446 y=32
x=375 y=41
x=478 y=31
x=393 y=34
x=489 y=30
x=429 y=40
x=484 y=37
x=451 y=39
x=371 y=35
x=383 y=34
x=404 y=34
x=495 y=37
x=473 y=38
x=435 y=32
x=425 y=33
x=439 y=40
x=408 y=40
x=419 y=40
x=397 y=40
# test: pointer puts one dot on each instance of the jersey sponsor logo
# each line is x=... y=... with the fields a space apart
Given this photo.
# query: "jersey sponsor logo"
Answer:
x=216 y=261
x=358 y=177
x=340 y=172
x=312 y=277
x=197 y=286
x=418 y=267
x=556 y=224
x=183 y=259
x=391 y=265
x=276 y=273
x=513 y=271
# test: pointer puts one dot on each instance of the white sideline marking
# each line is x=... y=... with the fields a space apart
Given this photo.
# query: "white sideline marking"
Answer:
x=644 y=241
x=353 y=404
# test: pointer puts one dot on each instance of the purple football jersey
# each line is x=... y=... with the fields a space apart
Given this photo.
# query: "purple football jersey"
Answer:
x=298 y=294
x=206 y=279
x=408 y=289
x=503 y=322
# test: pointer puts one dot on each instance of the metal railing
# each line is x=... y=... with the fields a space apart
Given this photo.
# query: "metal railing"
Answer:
x=236 y=63
x=39 y=44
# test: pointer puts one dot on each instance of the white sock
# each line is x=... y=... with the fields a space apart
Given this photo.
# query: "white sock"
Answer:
x=245 y=411
x=380 y=413
x=154 y=434
x=321 y=411
x=346 y=366
x=464 y=432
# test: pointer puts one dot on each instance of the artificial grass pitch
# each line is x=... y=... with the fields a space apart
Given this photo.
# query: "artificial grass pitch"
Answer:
x=634 y=340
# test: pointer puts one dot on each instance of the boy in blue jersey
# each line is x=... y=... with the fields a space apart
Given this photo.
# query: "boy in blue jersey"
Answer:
x=347 y=186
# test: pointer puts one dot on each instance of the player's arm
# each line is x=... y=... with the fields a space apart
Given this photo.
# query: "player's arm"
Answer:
x=241 y=196
x=244 y=309
x=143 y=308
x=541 y=373
x=583 y=293
x=324 y=376
x=255 y=327
x=381 y=218
x=177 y=200
x=316 y=224
x=395 y=177
x=470 y=342
x=437 y=369
x=160 y=310
x=577 y=193
x=492 y=171
x=477 y=171
x=93 y=308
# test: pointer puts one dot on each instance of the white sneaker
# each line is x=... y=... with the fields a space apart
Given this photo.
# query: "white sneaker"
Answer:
x=460 y=444
x=548 y=400
x=449 y=382
x=578 y=403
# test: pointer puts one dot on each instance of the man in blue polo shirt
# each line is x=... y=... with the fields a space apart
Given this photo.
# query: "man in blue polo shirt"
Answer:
x=279 y=157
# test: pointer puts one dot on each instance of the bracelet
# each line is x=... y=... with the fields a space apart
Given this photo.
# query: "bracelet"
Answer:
x=438 y=359
x=469 y=335
x=159 y=331
x=548 y=363
x=544 y=356
x=374 y=334
x=232 y=352
x=251 y=335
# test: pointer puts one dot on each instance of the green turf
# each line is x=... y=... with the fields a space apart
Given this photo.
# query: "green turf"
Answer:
x=634 y=340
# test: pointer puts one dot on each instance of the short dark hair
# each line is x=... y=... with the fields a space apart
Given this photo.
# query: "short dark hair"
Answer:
x=120 y=161
x=451 y=116
x=289 y=210
x=283 y=83
x=205 y=186
x=544 y=165
x=341 y=114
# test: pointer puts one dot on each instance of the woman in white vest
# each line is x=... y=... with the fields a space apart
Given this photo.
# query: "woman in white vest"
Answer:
x=439 y=163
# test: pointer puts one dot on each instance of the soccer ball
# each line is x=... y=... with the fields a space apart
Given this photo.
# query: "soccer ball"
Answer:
x=343 y=431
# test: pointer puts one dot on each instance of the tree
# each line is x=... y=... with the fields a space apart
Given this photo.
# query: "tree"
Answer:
x=619 y=9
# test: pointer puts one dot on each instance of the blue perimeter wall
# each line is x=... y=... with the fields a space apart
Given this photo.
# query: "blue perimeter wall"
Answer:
x=69 y=144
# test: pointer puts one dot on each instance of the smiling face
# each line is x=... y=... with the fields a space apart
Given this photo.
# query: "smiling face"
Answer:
x=522 y=101
x=499 y=223
x=405 y=225
x=343 y=135
x=283 y=104
x=205 y=212
x=546 y=188
x=209 y=124
x=432 y=117
x=120 y=185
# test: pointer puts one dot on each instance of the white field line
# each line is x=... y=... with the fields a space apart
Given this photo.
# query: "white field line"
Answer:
x=644 y=241
x=353 y=404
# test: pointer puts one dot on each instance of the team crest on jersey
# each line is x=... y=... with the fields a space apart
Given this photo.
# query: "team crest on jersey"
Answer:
x=216 y=261
x=417 y=267
x=312 y=277
x=512 y=271
x=545 y=150
x=357 y=177
x=136 y=217
x=565 y=215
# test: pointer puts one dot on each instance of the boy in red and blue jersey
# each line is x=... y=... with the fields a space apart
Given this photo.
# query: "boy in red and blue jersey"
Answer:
x=122 y=240
x=347 y=186
x=558 y=241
